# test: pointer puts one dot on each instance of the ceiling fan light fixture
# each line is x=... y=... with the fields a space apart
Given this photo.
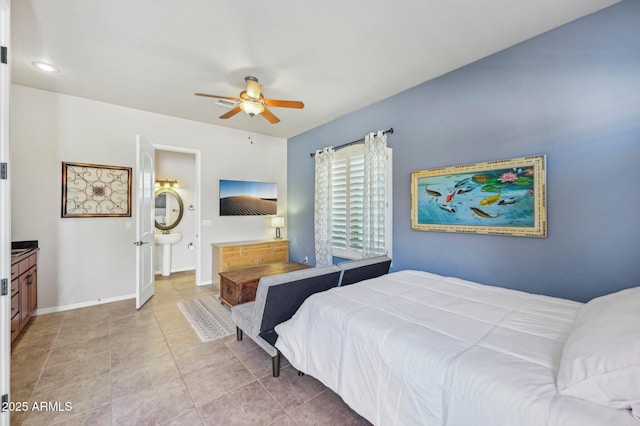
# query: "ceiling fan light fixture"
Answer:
x=251 y=107
x=253 y=102
x=253 y=87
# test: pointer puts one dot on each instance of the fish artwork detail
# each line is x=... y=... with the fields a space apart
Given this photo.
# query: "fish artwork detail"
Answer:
x=450 y=195
x=446 y=208
x=466 y=189
x=432 y=193
x=461 y=182
x=483 y=214
x=490 y=200
x=506 y=201
x=459 y=189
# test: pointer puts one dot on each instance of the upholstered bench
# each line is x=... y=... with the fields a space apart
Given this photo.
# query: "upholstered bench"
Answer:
x=354 y=271
x=278 y=297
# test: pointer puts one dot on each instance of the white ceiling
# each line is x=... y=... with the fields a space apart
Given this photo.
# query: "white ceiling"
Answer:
x=336 y=56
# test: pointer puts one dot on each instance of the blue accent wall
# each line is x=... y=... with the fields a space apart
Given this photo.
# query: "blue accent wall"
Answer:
x=573 y=94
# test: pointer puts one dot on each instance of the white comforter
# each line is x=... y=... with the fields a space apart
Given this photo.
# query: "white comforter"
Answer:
x=414 y=348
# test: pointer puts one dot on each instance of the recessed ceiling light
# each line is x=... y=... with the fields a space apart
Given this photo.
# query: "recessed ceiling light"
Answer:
x=43 y=66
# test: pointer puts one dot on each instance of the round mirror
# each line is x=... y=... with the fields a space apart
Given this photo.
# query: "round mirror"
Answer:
x=169 y=209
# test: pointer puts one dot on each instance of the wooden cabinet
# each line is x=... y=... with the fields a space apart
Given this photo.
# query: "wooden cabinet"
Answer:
x=24 y=291
x=242 y=254
x=25 y=312
x=240 y=285
x=33 y=290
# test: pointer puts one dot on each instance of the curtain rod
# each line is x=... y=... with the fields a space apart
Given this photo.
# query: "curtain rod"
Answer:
x=390 y=131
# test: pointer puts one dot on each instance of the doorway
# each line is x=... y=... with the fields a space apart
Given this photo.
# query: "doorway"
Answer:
x=178 y=169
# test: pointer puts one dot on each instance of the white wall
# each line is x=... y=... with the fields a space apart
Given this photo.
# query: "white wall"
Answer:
x=83 y=261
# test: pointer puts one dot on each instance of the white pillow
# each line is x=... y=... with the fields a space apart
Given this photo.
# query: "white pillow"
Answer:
x=601 y=358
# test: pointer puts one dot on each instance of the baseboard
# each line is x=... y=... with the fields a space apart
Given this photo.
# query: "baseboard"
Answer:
x=201 y=283
x=54 y=309
x=44 y=311
x=190 y=268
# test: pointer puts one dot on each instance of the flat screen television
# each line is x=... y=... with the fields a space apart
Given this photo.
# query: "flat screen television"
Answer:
x=246 y=198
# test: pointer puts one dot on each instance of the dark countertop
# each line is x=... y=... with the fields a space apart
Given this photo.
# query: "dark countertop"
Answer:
x=24 y=244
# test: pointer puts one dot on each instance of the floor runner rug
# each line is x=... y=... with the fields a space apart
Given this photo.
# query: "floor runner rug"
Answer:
x=209 y=319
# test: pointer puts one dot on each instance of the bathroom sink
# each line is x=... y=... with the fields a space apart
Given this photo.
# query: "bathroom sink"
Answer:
x=167 y=239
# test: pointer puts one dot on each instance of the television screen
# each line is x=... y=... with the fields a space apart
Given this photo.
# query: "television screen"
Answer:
x=245 y=198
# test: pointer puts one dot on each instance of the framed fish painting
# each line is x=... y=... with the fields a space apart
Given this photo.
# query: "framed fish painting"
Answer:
x=506 y=197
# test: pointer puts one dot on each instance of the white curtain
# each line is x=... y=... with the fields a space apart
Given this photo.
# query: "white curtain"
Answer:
x=322 y=214
x=375 y=194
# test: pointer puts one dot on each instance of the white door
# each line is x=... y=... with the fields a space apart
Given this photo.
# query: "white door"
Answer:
x=145 y=222
x=5 y=213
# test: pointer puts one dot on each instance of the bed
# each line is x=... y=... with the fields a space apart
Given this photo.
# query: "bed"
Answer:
x=415 y=348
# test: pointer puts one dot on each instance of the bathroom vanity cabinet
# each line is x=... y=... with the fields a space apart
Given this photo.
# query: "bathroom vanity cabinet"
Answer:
x=24 y=288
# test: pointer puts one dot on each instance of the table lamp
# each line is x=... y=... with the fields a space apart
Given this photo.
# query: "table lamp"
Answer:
x=277 y=222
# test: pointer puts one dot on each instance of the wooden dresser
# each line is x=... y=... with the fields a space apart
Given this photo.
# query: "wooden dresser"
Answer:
x=242 y=254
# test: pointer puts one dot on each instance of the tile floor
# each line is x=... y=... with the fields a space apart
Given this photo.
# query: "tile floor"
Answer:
x=120 y=366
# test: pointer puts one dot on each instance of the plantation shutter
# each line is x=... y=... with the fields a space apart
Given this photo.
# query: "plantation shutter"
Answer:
x=347 y=201
x=339 y=197
x=356 y=202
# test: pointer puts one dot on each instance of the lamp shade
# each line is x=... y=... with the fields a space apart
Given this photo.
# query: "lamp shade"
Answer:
x=277 y=222
x=253 y=87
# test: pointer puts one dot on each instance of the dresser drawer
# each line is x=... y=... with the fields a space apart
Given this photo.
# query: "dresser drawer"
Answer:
x=273 y=257
x=32 y=260
x=281 y=246
x=228 y=251
x=257 y=247
x=15 y=327
x=15 y=305
x=238 y=262
x=15 y=286
x=15 y=271
x=23 y=266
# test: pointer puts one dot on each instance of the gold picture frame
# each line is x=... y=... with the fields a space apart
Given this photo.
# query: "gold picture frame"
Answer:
x=506 y=197
x=94 y=190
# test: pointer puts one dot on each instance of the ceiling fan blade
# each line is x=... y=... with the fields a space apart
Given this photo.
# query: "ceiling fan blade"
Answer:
x=284 y=104
x=270 y=117
x=230 y=113
x=216 y=96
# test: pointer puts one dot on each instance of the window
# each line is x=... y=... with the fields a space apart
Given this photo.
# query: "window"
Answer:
x=347 y=201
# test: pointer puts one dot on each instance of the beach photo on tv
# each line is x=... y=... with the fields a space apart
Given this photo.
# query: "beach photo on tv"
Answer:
x=246 y=198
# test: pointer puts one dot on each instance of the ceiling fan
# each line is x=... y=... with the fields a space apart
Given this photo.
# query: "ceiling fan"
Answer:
x=253 y=102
